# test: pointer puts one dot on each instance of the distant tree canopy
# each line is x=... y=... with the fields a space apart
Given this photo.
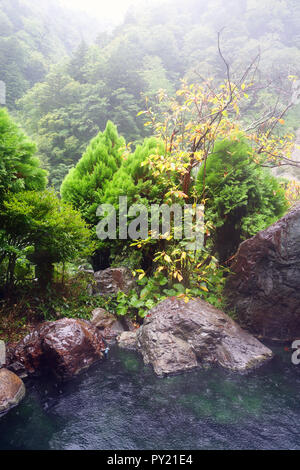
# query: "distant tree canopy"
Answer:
x=33 y=36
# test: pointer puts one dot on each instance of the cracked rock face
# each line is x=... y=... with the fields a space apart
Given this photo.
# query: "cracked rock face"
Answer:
x=65 y=347
x=264 y=288
x=12 y=390
x=179 y=336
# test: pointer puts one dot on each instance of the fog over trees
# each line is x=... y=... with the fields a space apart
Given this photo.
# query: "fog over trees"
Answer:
x=68 y=74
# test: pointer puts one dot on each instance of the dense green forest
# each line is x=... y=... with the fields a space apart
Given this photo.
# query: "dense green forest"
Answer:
x=35 y=35
x=65 y=84
x=184 y=102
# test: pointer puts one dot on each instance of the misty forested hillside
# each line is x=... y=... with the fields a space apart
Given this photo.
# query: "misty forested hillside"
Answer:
x=33 y=35
x=154 y=48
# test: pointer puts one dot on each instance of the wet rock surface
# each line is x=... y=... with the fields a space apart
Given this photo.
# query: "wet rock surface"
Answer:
x=65 y=348
x=12 y=390
x=113 y=280
x=179 y=336
x=107 y=323
x=264 y=288
x=128 y=340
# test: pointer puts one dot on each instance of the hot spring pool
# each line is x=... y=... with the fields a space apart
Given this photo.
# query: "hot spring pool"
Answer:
x=121 y=404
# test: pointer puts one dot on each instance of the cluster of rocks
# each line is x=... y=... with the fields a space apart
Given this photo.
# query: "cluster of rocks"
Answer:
x=65 y=347
x=263 y=291
x=176 y=336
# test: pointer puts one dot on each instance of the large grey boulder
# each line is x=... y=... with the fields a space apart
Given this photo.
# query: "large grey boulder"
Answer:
x=178 y=336
x=264 y=288
x=113 y=280
x=2 y=353
x=12 y=390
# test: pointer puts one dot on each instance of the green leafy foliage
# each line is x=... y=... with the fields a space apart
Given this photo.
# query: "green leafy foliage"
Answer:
x=19 y=168
x=242 y=198
x=154 y=289
x=138 y=184
x=36 y=224
x=134 y=180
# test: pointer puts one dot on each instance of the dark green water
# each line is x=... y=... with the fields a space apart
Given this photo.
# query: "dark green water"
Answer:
x=121 y=404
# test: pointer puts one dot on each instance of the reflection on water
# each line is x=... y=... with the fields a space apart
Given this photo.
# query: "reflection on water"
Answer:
x=121 y=404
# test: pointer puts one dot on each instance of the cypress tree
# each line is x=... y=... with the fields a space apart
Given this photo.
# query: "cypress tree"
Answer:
x=135 y=180
x=85 y=184
x=242 y=198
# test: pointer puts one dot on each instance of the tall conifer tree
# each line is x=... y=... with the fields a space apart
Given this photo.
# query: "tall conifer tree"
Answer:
x=85 y=184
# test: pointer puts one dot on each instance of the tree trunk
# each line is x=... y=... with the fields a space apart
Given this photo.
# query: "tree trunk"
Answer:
x=10 y=276
x=44 y=272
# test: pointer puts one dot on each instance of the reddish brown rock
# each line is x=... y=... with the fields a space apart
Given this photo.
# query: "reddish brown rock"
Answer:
x=264 y=288
x=65 y=347
x=12 y=390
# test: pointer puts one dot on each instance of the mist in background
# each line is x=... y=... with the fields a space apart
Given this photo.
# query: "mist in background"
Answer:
x=113 y=10
x=71 y=65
